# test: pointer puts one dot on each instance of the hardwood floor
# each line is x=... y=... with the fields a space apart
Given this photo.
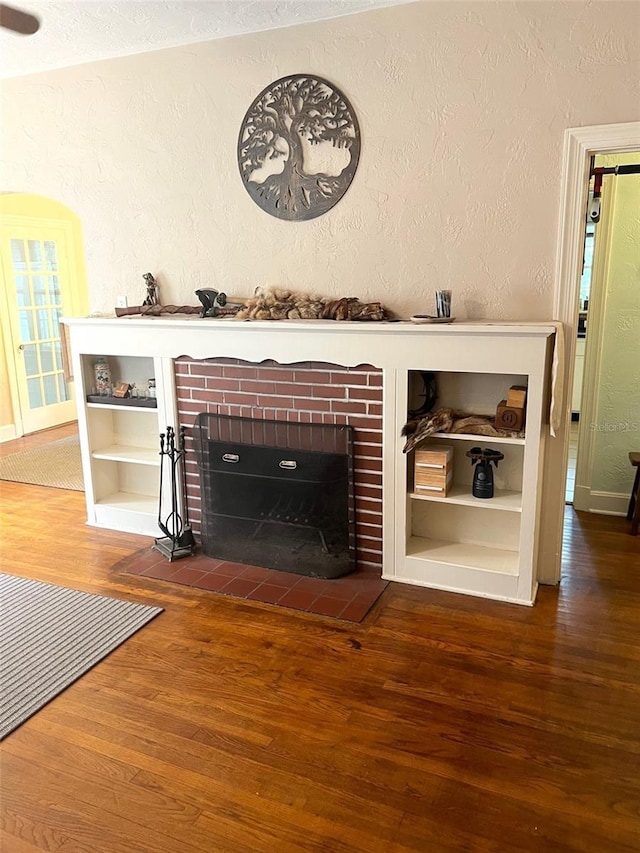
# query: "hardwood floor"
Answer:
x=442 y=723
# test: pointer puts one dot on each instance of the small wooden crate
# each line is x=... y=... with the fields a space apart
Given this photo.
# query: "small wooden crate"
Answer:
x=509 y=417
x=433 y=469
x=517 y=397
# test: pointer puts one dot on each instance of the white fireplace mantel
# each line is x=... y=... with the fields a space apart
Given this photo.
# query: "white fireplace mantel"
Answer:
x=387 y=345
x=465 y=558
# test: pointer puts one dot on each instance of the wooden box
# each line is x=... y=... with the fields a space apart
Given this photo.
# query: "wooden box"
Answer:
x=433 y=469
x=517 y=397
x=509 y=417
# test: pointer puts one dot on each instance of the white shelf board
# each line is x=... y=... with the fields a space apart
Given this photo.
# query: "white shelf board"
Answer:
x=490 y=439
x=461 y=495
x=495 y=560
x=129 y=453
x=130 y=502
x=116 y=408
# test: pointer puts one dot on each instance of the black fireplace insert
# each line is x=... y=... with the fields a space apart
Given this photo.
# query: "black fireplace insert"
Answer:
x=277 y=494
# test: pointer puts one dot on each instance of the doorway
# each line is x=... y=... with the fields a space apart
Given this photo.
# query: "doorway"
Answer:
x=606 y=384
x=580 y=145
x=43 y=280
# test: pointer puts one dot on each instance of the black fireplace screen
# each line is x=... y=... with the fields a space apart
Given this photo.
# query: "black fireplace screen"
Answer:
x=277 y=494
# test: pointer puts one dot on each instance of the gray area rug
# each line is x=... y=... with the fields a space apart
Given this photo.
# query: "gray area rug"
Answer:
x=57 y=464
x=50 y=636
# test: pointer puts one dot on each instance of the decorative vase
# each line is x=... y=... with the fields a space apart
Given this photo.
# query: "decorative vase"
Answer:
x=103 y=376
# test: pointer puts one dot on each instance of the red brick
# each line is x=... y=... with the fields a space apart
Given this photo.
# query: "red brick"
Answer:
x=369 y=504
x=257 y=386
x=287 y=388
x=372 y=530
x=332 y=392
x=368 y=491
x=275 y=401
x=365 y=422
x=370 y=394
x=375 y=409
x=238 y=398
x=274 y=374
x=208 y=370
x=218 y=383
x=312 y=377
x=349 y=407
x=345 y=378
x=369 y=477
x=375 y=378
x=369 y=451
x=369 y=556
x=364 y=436
x=188 y=382
x=311 y=405
x=240 y=372
x=368 y=465
x=189 y=409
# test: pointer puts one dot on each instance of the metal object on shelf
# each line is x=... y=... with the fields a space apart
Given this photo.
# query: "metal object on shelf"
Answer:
x=483 y=474
x=178 y=540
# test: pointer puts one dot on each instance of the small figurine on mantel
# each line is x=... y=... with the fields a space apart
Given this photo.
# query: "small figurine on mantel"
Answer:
x=153 y=291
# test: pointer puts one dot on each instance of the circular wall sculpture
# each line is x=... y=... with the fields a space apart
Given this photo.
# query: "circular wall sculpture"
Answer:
x=298 y=147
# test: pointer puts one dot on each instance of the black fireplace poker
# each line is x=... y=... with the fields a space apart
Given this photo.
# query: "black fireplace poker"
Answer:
x=178 y=540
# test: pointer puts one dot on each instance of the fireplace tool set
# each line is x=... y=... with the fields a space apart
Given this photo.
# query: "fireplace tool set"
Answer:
x=178 y=540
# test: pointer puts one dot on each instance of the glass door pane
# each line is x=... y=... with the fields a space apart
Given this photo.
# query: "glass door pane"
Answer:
x=37 y=290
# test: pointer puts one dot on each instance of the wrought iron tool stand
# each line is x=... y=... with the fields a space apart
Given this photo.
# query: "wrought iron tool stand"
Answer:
x=178 y=540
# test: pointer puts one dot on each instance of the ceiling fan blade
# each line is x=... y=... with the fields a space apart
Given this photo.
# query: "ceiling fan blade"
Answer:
x=18 y=21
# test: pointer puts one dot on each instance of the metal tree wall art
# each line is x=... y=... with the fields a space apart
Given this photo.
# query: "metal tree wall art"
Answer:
x=298 y=147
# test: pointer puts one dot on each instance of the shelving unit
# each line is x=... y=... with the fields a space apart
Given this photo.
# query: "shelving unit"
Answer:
x=459 y=542
x=120 y=443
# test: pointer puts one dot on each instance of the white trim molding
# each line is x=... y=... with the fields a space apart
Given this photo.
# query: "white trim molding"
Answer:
x=8 y=432
x=580 y=144
x=604 y=503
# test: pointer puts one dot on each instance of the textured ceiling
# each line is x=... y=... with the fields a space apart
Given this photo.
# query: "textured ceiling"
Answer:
x=77 y=31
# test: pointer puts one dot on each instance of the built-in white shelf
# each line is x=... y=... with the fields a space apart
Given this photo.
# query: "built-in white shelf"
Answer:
x=128 y=453
x=461 y=495
x=130 y=502
x=491 y=439
x=117 y=408
x=498 y=560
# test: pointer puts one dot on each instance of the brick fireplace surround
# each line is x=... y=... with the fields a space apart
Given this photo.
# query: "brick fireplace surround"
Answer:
x=305 y=392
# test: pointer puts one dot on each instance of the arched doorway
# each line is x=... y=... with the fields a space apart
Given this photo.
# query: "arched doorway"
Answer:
x=43 y=279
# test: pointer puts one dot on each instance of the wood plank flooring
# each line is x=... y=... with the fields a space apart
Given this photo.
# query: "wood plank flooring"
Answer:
x=442 y=723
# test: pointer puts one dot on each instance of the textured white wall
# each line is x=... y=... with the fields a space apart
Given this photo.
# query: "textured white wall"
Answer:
x=617 y=422
x=462 y=108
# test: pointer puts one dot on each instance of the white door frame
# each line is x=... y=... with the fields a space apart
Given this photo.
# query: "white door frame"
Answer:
x=580 y=144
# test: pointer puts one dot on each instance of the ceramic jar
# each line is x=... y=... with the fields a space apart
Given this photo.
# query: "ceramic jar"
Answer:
x=102 y=373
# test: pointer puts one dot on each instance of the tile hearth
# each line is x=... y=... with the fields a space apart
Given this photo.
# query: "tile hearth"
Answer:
x=349 y=598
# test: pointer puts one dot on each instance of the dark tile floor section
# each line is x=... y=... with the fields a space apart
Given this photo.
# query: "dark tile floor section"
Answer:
x=349 y=598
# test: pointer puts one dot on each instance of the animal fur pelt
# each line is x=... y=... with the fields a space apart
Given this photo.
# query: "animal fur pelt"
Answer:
x=277 y=304
x=449 y=420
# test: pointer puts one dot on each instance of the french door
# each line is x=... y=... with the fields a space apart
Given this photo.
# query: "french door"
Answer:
x=37 y=273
